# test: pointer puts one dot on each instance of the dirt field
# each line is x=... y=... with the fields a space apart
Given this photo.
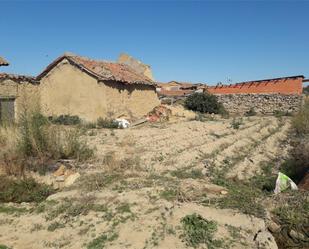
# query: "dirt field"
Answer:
x=145 y=179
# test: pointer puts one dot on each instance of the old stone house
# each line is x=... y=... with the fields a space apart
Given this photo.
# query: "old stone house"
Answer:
x=17 y=92
x=90 y=89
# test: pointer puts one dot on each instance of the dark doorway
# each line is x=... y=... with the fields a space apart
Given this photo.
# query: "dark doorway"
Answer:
x=7 y=110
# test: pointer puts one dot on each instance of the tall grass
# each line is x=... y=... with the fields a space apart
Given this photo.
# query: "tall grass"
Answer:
x=298 y=164
x=300 y=122
x=33 y=142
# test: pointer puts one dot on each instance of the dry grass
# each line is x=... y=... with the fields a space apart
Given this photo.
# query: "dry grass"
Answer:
x=34 y=141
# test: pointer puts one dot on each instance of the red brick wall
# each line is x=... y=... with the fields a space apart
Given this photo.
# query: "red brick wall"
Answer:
x=283 y=86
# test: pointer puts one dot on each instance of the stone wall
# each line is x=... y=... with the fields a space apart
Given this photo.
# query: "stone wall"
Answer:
x=262 y=103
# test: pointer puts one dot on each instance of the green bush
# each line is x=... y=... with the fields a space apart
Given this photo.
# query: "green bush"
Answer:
x=107 y=123
x=204 y=103
x=197 y=230
x=25 y=190
x=65 y=120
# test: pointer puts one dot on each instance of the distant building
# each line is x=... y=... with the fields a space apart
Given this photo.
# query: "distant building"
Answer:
x=3 y=62
x=283 y=85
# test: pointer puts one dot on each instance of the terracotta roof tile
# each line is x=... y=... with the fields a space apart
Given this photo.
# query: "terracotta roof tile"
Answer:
x=170 y=93
x=103 y=70
x=19 y=78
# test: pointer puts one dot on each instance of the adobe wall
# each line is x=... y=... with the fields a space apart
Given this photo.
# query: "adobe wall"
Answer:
x=68 y=90
x=262 y=103
x=25 y=93
x=283 y=86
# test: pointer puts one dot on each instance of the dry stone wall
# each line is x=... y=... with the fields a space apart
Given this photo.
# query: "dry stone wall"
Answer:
x=262 y=103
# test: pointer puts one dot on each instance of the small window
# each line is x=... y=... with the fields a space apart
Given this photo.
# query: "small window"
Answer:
x=7 y=110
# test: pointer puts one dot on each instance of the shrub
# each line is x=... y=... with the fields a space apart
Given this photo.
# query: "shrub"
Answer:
x=74 y=147
x=197 y=230
x=236 y=123
x=204 y=103
x=26 y=190
x=298 y=164
x=65 y=120
x=34 y=142
x=278 y=113
x=300 y=121
x=107 y=123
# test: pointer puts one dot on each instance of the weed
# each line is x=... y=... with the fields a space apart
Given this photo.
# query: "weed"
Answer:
x=65 y=120
x=236 y=123
x=241 y=196
x=124 y=208
x=197 y=230
x=279 y=113
x=293 y=209
x=183 y=174
x=4 y=247
x=100 y=242
x=26 y=190
x=12 y=210
x=55 y=225
x=300 y=122
x=36 y=227
x=169 y=194
x=107 y=123
x=98 y=181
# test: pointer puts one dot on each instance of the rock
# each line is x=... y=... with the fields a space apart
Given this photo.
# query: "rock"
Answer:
x=273 y=227
x=264 y=240
x=60 y=171
x=60 y=178
x=71 y=179
x=223 y=192
x=68 y=172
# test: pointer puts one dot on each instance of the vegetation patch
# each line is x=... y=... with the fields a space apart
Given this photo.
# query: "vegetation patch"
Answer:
x=65 y=119
x=204 y=103
x=183 y=174
x=102 y=240
x=24 y=190
x=55 y=225
x=197 y=231
x=12 y=210
x=107 y=123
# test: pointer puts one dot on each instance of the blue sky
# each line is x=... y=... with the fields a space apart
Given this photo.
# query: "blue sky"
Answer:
x=194 y=41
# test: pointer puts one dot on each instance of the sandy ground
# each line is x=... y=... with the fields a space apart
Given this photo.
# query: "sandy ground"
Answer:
x=130 y=184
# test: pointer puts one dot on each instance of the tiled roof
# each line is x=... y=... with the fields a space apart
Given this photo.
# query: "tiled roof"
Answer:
x=174 y=93
x=258 y=81
x=19 y=78
x=3 y=62
x=103 y=70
